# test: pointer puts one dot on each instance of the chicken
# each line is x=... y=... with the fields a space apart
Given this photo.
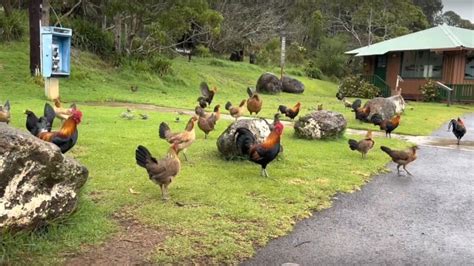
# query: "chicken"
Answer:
x=387 y=125
x=361 y=113
x=207 y=95
x=205 y=122
x=339 y=95
x=36 y=125
x=320 y=107
x=160 y=172
x=290 y=112
x=5 y=112
x=235 y=111
x=459 y=129
x=183 y=139
x=260 y=153
x=254 y=102
x=62 y=113
x=347 y=104
x=134 y=88
x=401 y=158
x=363 y=146
x=67 y=136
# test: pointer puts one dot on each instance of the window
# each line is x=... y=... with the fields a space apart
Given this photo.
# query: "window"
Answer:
x=469 y=70
x=422 y=64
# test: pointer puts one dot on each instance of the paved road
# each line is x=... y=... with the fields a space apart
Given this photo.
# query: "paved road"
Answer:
x=426 y=219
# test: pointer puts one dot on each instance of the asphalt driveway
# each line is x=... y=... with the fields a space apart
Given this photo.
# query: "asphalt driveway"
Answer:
x=425 y=219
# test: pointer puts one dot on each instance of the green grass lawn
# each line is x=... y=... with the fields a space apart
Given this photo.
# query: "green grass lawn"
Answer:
x=229 y=210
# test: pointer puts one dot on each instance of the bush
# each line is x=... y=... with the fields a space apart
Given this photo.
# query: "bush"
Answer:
x=430 y=91
x=88 y=36
x=330 y=57
x=12 y=27
x=202 y=51
x=355 y=86
x=160 y=65
x=295 y=54
x=313 y=71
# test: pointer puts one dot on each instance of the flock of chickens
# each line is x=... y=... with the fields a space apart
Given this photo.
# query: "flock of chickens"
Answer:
x=164 y=170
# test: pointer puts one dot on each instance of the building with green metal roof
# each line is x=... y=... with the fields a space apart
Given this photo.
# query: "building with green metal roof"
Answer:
x=443 y=53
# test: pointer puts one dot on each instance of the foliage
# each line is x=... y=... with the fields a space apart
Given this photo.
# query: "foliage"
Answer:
x=12 y=27
x=202 y=51
x=87 y=36
x=330 y=58
x=295 y=54
x=430 y=91
x=355 y=86
x=453 y=19
x=313 y=71
x=270 y=54
x=431 y=9
x=160 y=65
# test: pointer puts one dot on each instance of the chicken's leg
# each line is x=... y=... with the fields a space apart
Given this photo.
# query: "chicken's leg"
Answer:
x=406 y=170
x=265 y=172
x=398 y=169
x=162 y=192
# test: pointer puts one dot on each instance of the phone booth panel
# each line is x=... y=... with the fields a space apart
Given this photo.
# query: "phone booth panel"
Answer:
x=55 y=51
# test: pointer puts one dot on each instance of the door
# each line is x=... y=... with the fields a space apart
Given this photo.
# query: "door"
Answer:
x=380 y=74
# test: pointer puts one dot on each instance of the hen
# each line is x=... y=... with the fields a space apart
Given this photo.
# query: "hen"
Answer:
x=207 y=95
x=290 y=112
x=206 y=122
x=387 y=125
x=5 y=112
x=36 y=125
x=459 y=129
x=363 y=146
x=62 y=113
x=235 y=111
x=347 y=104
x=401 y=158
x=67 y=136
x=160 y=172
x=183 y=139
x=260 y=153
x=254 y=102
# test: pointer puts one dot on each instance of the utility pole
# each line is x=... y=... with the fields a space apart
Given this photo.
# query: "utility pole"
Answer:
x=34 y=20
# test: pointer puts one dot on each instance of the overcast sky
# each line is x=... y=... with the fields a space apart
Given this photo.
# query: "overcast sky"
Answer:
x=464 y=8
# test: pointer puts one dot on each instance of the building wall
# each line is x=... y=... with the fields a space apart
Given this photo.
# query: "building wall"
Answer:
x=393 y=70
x=454 y=64
x=369 y=65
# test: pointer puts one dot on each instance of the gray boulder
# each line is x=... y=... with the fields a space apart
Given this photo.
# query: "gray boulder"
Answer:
x=382 y=106
x=320 y=125
x=292 y=85
x=37 y=182
x=268 y=83
x=226 y=141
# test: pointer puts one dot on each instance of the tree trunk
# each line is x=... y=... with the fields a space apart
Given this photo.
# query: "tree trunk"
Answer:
x=7 y=7
x=118 y=33
x=45 y=13
x=34 y=21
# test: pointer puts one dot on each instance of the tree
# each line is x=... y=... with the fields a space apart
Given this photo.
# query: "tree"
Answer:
x=453 y=19
x=431 y=8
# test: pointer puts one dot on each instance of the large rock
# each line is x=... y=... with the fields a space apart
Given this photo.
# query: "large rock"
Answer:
x=320 y=125
x=382 y=106
x=226 y=141
x=37 y=182
x=399 y=103
x=268 y=83
x=292 y=85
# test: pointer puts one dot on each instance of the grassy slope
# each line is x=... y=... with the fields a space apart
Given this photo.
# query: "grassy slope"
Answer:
x=229 y=209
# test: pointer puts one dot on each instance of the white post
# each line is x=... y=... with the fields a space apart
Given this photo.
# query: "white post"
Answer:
x=282 y=57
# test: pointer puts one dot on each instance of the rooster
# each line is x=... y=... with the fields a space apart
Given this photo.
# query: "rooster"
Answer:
x=183 y=139
x=340 y=95
x=36 y=125
x=235 y=111
x=67 y=136
x=459 y=129
x=387 y=125
x=290 y=112
x=160 y=172
x=254 y=102
x=260 y=153
x=401 y=158
x=207 y=95
x=205 y=122
x=5 y=112
x=361 y=113
x=62 y=113
x=363 y=146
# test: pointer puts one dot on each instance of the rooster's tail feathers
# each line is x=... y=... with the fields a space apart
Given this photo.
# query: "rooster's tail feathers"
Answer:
x=228 y=105
x=142 y=155
x=49 y=114
x=356 y=104
x=353 y=144
x=249 y=91
x=164 y=130
x=7 y=105
x=282 y=109
x=386 y=149
x=244 y=140
x=376 y=119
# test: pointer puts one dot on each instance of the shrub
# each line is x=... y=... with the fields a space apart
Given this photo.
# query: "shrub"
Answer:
x=355 y=86
x=313 y=71
x=295 y=53
x=88 y=36
x=12 y=27
x=330 y=57
x=160 y=65
x=202 y=51
x=430 y=91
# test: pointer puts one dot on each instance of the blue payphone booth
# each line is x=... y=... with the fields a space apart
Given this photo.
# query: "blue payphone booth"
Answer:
x=55 y=51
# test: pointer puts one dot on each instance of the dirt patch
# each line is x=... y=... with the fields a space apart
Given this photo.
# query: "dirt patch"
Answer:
x=131 y=246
